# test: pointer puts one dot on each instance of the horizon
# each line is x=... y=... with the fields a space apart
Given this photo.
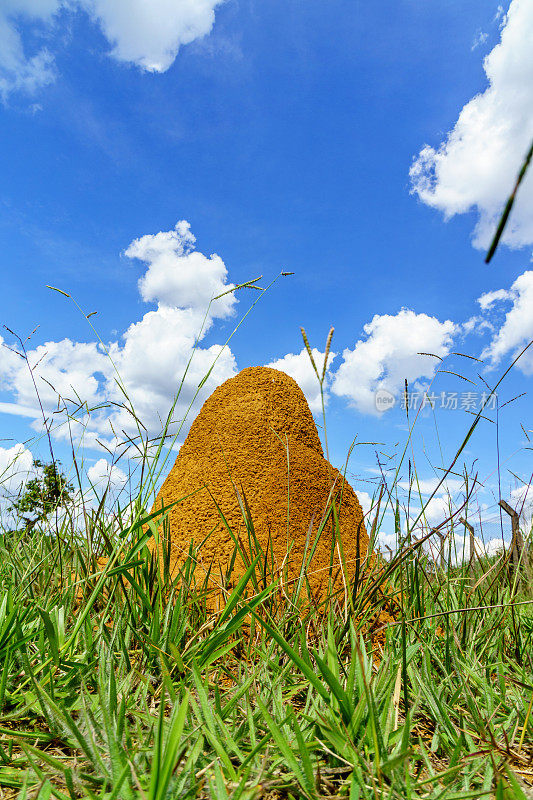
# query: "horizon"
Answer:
x=148 y=168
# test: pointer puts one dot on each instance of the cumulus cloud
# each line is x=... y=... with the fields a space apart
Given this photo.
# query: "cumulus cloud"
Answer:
x=149 y=35
x=16 y=463
x=437 y=509
x=16 y=466
x=151 y=362
x=104 y=475
x=445 y=506
x=366 y=503
x=178 y=276
x=475 y=167
x=389 y=354
x=146 y=34
x=299 y=367
x=517 y=329
x=143 y=371
x=456 y=547
x=454 y=542
x=386 y=543
x=456 y=539
x=70 y=371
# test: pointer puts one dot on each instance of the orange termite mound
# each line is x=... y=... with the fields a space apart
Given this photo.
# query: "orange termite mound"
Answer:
x=255 y=438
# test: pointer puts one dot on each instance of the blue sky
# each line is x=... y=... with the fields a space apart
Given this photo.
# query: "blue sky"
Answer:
x=366 y=147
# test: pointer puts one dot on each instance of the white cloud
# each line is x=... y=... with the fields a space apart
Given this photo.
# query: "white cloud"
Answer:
x=104 y=475
x=149 y=362
x=18 y=410
x=18 y=71
x=152 y=361
x=493 y=546
x=487 y=300
x=456 y=546
x=299 y=367
x=437 y=509
x=428 y=486
x=521 y=495
x=149 y=34
x=16 y=466
x=446 y=506
x=460 y=547
x=389 y=355
x=146 y=34
x=475 y=167
x=476 y=325
x=517 y=328
x=366 y=503
x=70 y=370
x=479 y=39
x=522 y=500
x=499 y=15
x=385 y=543
x=179 y=276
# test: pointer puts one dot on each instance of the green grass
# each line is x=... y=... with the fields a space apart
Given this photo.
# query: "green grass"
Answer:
x=119 y=683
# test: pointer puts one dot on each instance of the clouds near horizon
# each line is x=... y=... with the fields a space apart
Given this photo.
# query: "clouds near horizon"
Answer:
x=16 y=466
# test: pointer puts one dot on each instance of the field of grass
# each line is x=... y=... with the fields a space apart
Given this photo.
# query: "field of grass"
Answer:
x=117 y=682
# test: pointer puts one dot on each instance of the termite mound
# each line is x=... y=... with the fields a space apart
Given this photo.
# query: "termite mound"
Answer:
x=254 y=448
